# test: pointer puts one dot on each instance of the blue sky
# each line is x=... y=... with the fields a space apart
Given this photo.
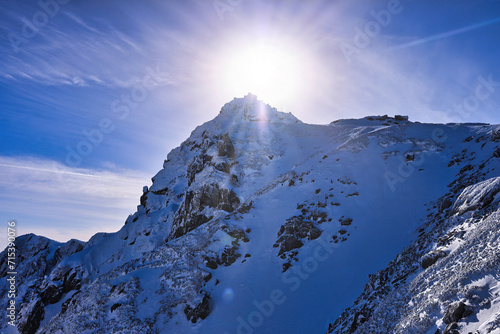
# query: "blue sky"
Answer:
x=94 y=94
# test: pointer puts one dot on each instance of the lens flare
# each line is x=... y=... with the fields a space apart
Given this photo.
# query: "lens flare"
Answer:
x=228 y=295
x=272 y=72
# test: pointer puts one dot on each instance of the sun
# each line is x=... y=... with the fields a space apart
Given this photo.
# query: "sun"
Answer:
x=283 y=70
x=272 y=72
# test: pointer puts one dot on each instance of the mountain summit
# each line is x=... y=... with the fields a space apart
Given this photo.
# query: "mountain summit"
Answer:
x=249 y=108
x=260 y=223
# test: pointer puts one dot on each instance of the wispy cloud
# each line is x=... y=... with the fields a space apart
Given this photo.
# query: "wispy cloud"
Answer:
x=82 y=23
x=60 y=202
x=449 y=33
x=71 y=50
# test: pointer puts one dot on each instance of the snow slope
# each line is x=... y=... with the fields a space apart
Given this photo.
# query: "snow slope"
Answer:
x=454 y=286
x=259 y=223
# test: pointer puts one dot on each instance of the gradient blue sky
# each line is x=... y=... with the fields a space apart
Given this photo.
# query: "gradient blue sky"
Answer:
x=69 y=67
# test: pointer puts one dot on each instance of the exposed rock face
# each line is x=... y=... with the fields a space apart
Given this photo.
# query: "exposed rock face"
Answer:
x=454 y=313
x=225 y=147
x=216 y=151
x=202 y=200
x=193 y=212
x=227 y=258
x=45 y=256
x=33 y=315
x=345 y=221
x=200 y=311
x=197 y=165
x=51 y=294
x=295 y=229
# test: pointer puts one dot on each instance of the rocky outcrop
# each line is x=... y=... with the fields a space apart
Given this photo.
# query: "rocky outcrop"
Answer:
x=227 y=258
x=496 y=154
x=68 y=279
x=477 y=198
x=225 y=147
x=455 y=312
x=292 y=235
x=44 y=289
x=430 y=258
x=200 y=311
x=31 y=315
x=199 y=207
x=215 y=151
x=197 y=165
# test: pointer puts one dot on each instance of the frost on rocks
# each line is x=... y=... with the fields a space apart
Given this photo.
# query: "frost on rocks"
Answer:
x=478 y=196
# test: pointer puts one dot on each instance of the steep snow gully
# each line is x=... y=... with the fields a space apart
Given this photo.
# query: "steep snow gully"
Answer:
x=260 y=223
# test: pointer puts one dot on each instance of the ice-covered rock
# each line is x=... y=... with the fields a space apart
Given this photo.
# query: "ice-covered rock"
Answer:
x=478 y=196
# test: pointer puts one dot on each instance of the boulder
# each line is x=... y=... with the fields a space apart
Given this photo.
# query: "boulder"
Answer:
x=454 y=313
x=430 y=258
x=496 y=154
x=345 y=221
x=200 y=311
x=288 y=243
x=295 y=229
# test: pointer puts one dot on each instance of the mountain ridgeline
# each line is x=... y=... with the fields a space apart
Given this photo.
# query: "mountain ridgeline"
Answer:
x=260 y=223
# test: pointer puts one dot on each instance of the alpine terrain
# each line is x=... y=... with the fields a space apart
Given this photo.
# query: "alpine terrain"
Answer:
x=260 y=223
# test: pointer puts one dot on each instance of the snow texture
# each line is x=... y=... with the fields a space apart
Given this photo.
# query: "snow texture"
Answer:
x=259 y=223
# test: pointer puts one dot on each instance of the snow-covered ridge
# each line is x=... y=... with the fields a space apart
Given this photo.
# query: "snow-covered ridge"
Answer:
x=256 y=207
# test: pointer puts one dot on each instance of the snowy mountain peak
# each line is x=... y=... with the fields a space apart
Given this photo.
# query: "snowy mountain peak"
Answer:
x=261 y=223
x=249 y=108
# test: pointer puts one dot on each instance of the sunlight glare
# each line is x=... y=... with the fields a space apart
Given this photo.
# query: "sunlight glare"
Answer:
x=274 y=74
